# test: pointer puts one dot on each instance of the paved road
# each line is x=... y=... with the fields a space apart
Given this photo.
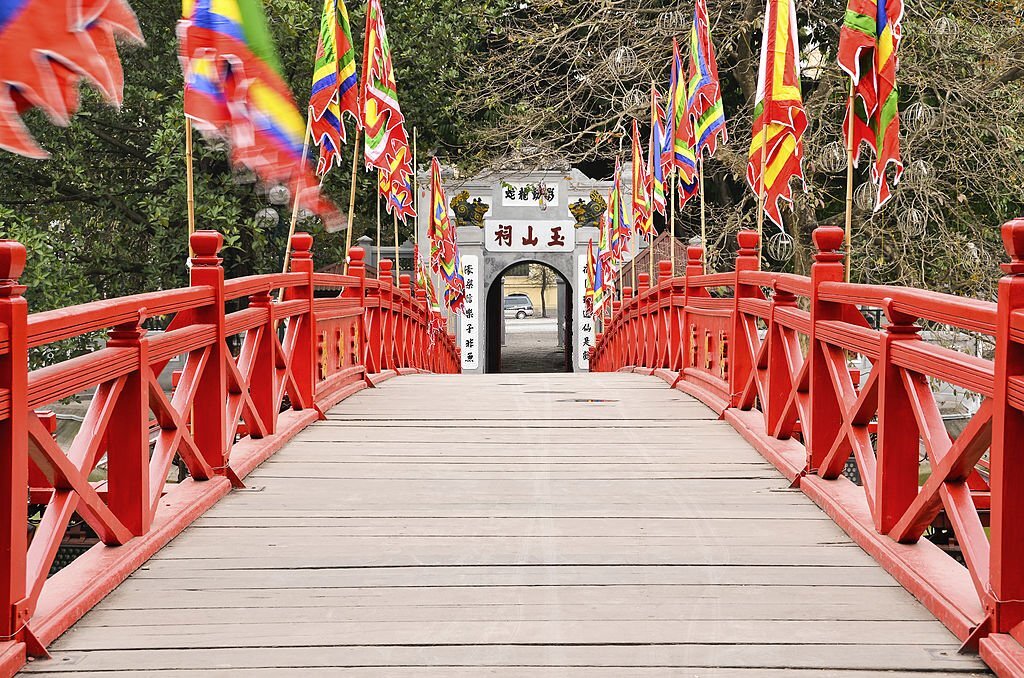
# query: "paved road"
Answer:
x=532 y=346
x=578 y=526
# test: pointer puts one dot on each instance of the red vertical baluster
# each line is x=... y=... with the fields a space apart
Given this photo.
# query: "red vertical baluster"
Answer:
x=628 y=329
x=13 y=443
x=263 y=378
x=741 y=361
x=385 y=316
x=1007 y=455
x=128 y=448
x=780 y=377
x=826 y=416
x=209 y=410
x=357 y=269
x=407 y=339
x=694 y=268
x=423 y=353
x=645 y=327
x=304 y=362
x=666 y=332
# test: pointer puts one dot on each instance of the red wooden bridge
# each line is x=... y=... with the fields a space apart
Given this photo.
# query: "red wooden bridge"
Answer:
x=683 y=510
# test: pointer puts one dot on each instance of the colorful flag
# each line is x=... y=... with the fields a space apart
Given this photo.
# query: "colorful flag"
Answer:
x=234 y=90
x=47 y=50
x=387 y=143
x=444 y=250
x=654 y=169
x=603 y=266
x=618 y=225
x=704 y=97
x=334 y=85
x=684 y=159
x=643 y=216
x=868 y=44
x=779 y=118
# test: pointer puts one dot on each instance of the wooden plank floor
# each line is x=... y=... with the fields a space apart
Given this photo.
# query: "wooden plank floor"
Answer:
x=511 y=525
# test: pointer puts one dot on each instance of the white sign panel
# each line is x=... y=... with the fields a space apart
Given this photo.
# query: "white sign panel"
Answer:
x=585 y=330
x=528 y=235
x=469 y=330
x=518 y=194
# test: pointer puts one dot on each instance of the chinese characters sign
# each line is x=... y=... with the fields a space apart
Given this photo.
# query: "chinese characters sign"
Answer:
x=585 y=330
x=469 y=334
x=518 y=194
x=524 y=235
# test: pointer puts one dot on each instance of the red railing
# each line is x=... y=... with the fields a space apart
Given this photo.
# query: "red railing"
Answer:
x=251 y=379
x=776 y=355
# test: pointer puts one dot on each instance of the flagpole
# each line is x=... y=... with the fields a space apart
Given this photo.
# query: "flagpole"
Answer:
x=377 y=193
x=397 y=266
x=703 y=217
x=650 y=256
x=672 y=230
x=634 y=250
x=761 y=193
x=352 y=196
x=190 y=180
x=295 y=202
x=849 y=181
x=416 y=194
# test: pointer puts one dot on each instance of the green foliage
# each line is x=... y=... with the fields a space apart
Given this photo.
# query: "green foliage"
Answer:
x=107 y=214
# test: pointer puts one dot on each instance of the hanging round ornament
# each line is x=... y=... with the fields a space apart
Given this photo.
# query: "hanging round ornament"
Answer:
x=634 y=99
x=279 y=194
x=267 y=218
x=946 y=31
x=912 y=221
x=918 y=116
x=780 y=246
x=623 y=62
x=865 y=196
x=833 y=157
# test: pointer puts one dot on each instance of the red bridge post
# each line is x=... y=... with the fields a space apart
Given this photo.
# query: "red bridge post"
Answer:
x=826 y=414
x=304 y=360
x=667 y=334
x=741 y=361
x=14 y=609
x=357 y=269
x=694 y=268
x=209 y=415
x=1007 y=455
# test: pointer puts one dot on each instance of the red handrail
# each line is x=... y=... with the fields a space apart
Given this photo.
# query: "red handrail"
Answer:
x=770 y=352
x=251 y=379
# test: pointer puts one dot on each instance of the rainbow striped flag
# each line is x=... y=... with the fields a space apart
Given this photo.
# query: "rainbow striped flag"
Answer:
x=335 y=83
x=444 y=250
x=654 y=169
x=234 y=90
x=779 y=117
x=679 y=131
x=619 y=229
x=48 y=48
x=704 y=99
x=387 y=142
x=871 y=34
x=643 y=215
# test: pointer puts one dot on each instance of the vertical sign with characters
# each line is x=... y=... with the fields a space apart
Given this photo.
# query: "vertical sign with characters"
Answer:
x=585 y=330
x=469 y=334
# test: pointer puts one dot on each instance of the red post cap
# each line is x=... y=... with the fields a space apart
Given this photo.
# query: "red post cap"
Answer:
x=644 y=281
x=627 y=292
x=12 y=260
x=748 y=243
x=206 y=248
x=829 y=242
x=356 y=254
x=694 y=255
x=1013 y=241
x=302 y=246
x=664 y=270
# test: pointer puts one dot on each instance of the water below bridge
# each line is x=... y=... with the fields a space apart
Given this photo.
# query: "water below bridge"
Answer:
x=512 y=525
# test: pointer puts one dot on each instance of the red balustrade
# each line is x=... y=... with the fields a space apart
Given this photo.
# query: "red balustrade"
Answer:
x=773 y=353
x=230 y=409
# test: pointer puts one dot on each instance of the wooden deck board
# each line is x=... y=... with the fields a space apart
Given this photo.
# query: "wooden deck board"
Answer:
x=551 y=525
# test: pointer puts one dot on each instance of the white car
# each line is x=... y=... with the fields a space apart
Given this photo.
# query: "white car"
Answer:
x=518 y=306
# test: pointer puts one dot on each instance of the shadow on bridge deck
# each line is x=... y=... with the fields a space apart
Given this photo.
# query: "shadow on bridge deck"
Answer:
x=515 y=525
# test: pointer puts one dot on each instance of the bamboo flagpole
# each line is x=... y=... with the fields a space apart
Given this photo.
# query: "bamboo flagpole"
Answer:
x=849 y=180
x=672 y=229
x=761 y=194
x=703 y=215
x=352 y=196
x=190 y=189
x=295 y=203
x=416 y=196
x=398 y=267
x=376 y=192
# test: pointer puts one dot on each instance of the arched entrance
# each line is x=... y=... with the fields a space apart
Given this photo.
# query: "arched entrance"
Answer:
x=529 y=319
